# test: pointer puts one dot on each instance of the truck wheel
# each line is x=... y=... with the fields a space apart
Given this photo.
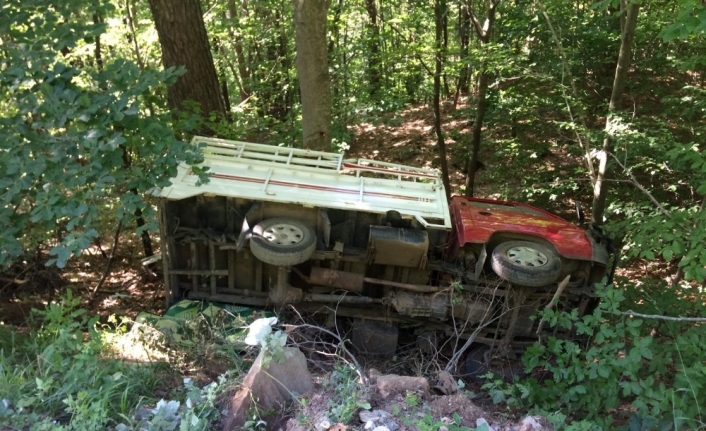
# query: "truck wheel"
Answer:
x=526 y=263
x=282 y=241
x=477 y=363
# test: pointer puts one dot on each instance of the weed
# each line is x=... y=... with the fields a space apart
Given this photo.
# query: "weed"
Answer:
x=348 y=395
x=656 y=367
x=411 y=399
x=427 y=423
x=63 y=375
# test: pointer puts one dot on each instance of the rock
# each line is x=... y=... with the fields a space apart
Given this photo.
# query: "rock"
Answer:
x=323 y=424
x=530 y=424
x=377 y=417
x=373 y=375
x=270 y=386
x=445 y=383
x=482 y=424
x=392 y=384
x=293 y=425
x=443 y=428
x=381 y=428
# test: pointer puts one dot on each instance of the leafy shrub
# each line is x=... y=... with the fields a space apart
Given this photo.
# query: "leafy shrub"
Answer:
x=61 y=375
x=654 y=366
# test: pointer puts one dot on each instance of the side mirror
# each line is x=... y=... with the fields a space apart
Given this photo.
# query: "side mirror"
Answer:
x=579 y=213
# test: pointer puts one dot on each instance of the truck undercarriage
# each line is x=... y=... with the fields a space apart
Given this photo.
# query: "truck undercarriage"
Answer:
x=378 y=244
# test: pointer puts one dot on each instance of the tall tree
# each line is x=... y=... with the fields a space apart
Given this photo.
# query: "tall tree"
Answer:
x=312 y=69
x=184 y=42
x=439 y=11
x=373 y=37
x=483 y=31
x=600 y=188
x=464 y=35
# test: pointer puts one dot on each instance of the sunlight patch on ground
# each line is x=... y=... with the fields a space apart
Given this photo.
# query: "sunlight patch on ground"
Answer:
x=137 y=345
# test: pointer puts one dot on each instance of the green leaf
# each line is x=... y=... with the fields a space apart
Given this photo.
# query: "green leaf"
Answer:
x=667 y=254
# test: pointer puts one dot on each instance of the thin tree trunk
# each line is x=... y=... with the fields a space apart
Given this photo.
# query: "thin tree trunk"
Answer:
x=439 y=5
x=243 y=75
x=373 y=38
x=600 y=189
x=133 y=35
x=312 y=69
x=483 y=31
x=473 y=161
x=464 y=36
x=445 y=36
x=139 y=219
x=98 y=51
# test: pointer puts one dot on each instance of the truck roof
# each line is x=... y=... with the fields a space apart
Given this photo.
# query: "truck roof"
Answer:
x=313 y=178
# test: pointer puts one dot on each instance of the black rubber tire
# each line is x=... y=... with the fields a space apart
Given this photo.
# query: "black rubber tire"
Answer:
x=476 y=365
x=526 y=263
x=282 y=241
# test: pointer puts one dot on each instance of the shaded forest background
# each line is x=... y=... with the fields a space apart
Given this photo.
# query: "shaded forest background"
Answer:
x=510 y=99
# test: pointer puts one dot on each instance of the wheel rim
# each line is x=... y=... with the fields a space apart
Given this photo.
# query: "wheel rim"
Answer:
x=283 y=234
x=527 y=256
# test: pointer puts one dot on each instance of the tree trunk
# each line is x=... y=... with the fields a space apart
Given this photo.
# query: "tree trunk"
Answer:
x=97 y=19
x=133 y=35
x=184 y=42
x=464 y=29
x=600 y=188
x=439 y=6
x=445 y=37
x=476 y=135
x=484 y=33
x=312 y=69
x=373 y=38
x=243 y=75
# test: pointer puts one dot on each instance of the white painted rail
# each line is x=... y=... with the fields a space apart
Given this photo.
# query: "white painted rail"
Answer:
x=314 y=178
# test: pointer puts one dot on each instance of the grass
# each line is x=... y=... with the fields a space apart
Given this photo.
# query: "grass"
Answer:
x=67 y=371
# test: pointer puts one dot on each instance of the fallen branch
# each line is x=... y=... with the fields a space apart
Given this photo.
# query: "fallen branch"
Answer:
x=668 y=318
x=13 y=281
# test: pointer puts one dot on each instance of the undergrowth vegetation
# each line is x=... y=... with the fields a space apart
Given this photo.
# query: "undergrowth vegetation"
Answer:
x=648 y=371
x=64 y=374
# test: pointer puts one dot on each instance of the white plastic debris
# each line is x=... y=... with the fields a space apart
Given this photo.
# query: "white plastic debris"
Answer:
x=259 y=329
x=324 y=424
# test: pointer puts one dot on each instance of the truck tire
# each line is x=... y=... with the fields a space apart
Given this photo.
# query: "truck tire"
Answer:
x=282 y=241
x=526 y=263
x=476 y=364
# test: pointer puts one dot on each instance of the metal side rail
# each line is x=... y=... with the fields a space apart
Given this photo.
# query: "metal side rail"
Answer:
x=313 y=178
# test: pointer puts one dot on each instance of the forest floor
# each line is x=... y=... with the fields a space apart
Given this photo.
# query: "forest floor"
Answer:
x=405 y=137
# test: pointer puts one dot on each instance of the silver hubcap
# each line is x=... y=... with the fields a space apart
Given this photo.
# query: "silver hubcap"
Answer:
x=527 y=256
x=283 y=234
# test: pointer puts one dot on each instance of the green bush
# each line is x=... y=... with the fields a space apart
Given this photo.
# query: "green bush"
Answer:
x=654 y=366
x=62 y=375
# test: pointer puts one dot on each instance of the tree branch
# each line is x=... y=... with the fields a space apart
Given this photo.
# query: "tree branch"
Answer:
x=474 y=20
x=634 y=181
x=668 y=318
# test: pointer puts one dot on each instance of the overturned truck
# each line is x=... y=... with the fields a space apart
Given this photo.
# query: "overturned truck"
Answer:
x=377 y=244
